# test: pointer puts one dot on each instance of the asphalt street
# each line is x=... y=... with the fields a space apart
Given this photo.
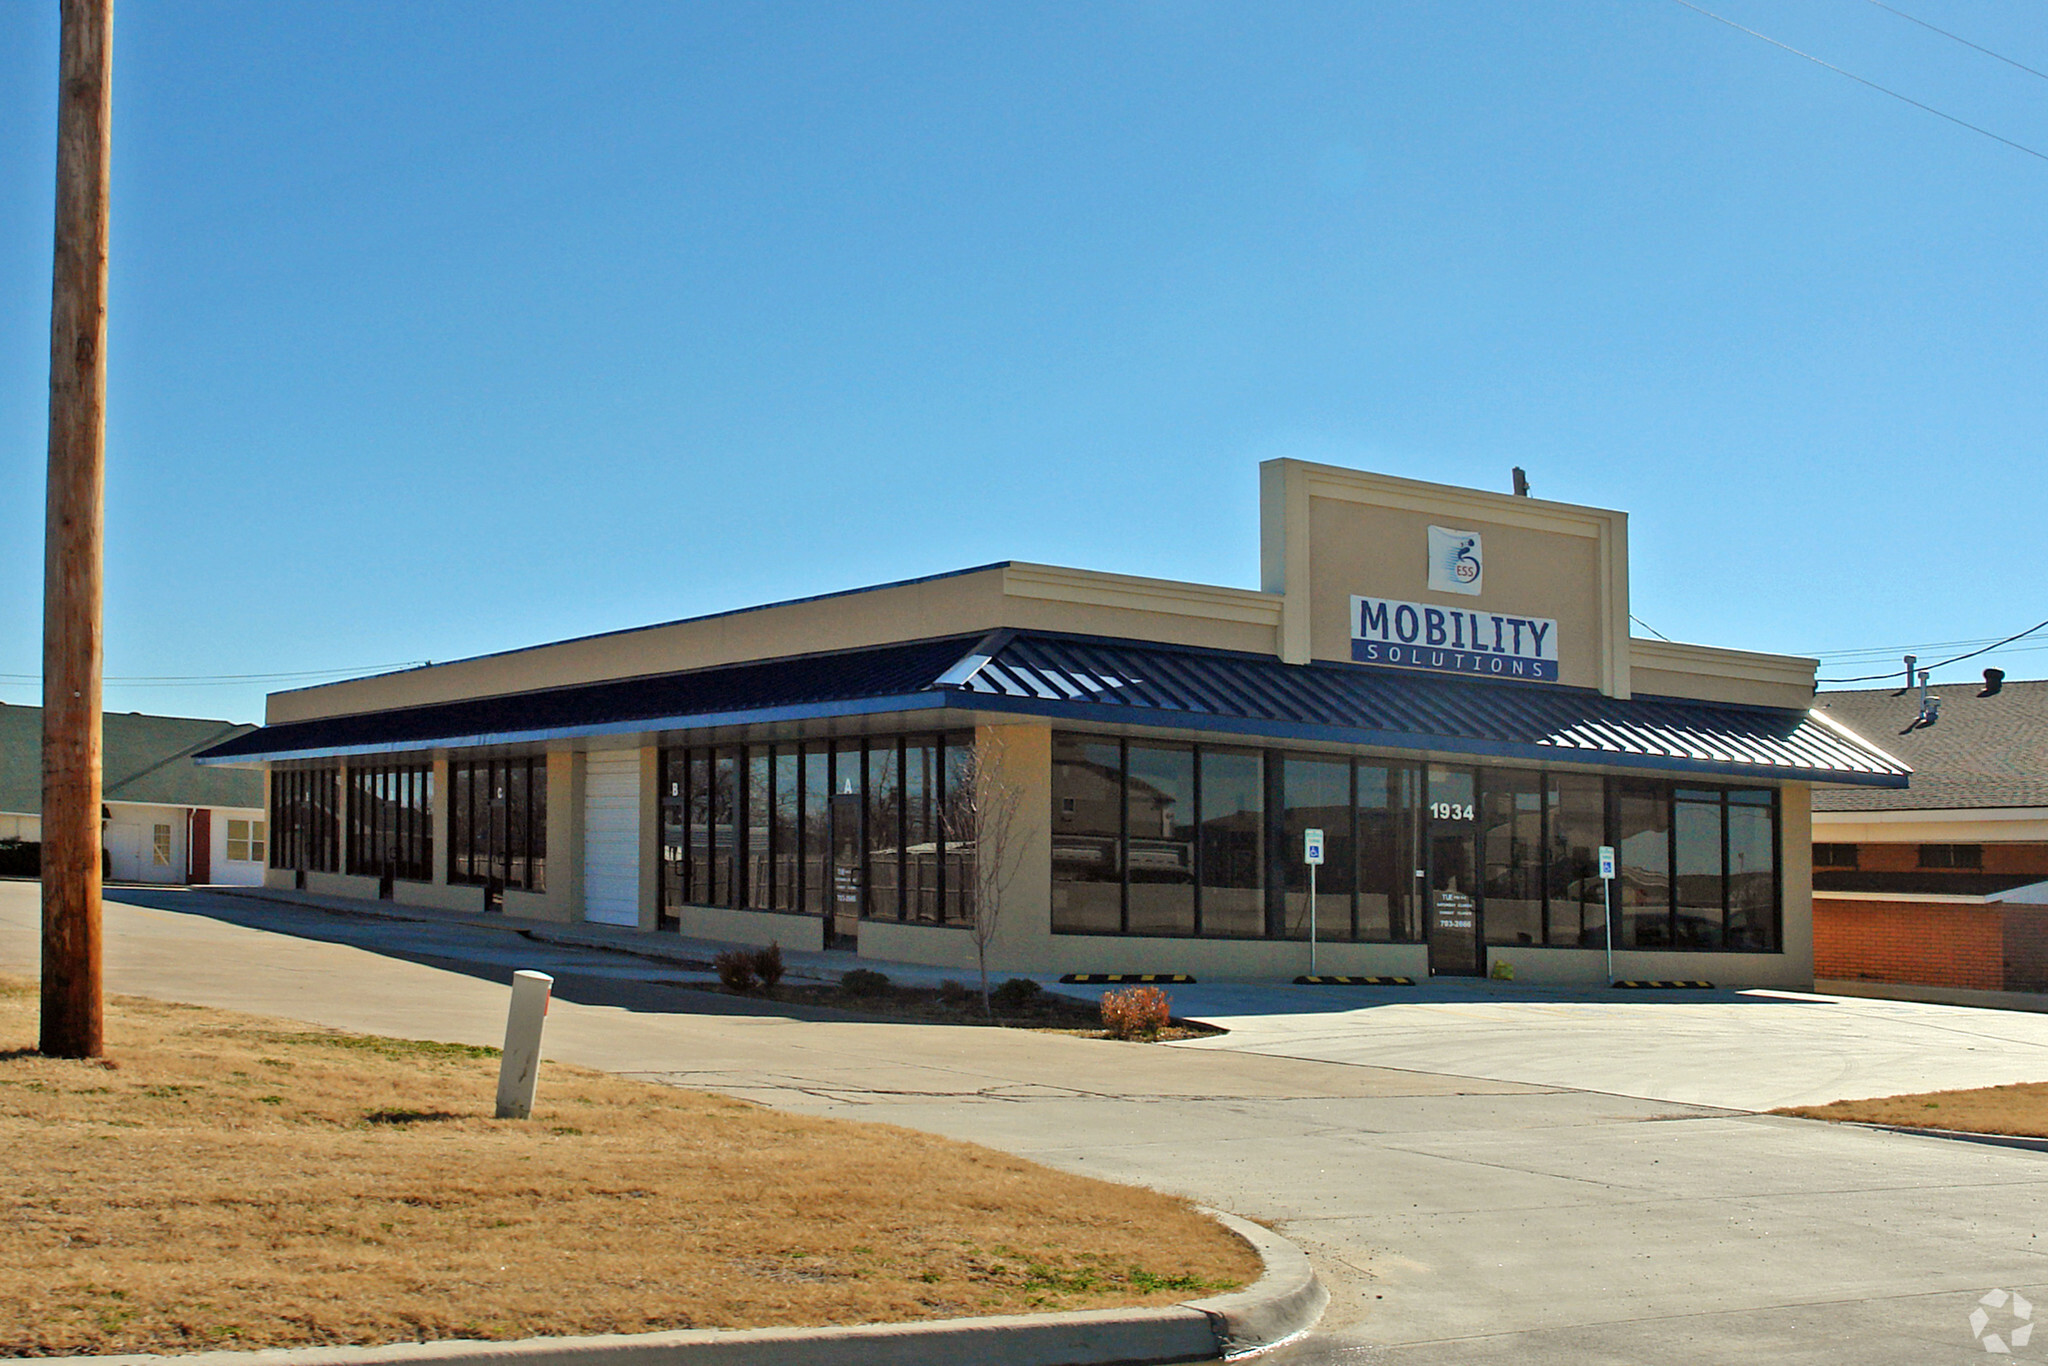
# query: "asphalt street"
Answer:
x=1480 y=1174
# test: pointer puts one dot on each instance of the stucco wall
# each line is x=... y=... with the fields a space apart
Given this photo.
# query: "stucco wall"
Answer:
x=1383 y=552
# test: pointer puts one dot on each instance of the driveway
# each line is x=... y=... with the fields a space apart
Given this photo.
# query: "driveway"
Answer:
x=1751 y=1050
x=1480 y=1176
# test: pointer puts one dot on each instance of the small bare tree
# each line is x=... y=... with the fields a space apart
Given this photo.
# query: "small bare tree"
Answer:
x=982 y=809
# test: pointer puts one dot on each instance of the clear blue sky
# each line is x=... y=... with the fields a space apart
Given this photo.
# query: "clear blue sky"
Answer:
x=440 y=329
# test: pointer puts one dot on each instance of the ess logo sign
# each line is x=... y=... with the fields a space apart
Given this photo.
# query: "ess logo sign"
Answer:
x=1456 y=561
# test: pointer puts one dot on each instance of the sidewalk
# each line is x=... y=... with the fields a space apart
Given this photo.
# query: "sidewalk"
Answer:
x=692 y=956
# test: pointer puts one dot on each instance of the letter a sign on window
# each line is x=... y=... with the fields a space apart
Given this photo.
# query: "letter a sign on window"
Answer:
x=1312 y=847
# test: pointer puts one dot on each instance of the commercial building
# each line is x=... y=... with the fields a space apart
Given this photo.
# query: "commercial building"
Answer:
x=1441 y=680
x=1945 y=884
x=166 y=818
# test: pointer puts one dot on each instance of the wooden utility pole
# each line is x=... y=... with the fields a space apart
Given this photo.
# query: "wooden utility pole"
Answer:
x=72 y=1015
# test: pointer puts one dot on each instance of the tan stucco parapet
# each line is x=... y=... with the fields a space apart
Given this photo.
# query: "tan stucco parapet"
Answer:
x=1024 y=596
x=1669 y=669
x=1326 y=534
x=1132 y=593
x=940 y=605
x=1290 y=563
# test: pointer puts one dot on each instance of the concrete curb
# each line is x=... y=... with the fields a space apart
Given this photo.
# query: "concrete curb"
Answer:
x=1286 y=1300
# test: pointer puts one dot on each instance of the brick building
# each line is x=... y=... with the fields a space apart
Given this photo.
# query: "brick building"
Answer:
x=1945 y=883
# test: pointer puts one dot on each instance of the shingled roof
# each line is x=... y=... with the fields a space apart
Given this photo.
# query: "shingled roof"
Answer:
x=144 y=759
x=1982 y=752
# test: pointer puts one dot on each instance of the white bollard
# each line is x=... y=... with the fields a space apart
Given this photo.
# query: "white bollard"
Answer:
x=519 y=1070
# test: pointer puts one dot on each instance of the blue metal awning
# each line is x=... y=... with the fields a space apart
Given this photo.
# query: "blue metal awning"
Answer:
x=1095 y=681
x=1401 y=709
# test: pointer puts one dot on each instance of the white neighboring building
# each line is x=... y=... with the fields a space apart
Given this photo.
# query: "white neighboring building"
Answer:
x=167 y=819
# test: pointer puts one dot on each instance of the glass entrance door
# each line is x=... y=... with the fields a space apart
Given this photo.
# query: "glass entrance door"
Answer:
x=1450 y=844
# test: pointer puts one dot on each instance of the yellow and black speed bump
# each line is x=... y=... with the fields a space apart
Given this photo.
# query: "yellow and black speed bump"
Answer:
x=1327 y=981
x=1667 y=986
x=1085 y=977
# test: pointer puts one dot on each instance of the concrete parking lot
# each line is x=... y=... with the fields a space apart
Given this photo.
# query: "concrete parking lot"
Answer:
x=1480 y=1175
x=1755 y=1050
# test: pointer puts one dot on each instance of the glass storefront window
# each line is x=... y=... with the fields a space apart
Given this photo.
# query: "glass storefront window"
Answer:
x=498 y=831
x=957 y=867
x=725 y=814
x=513 y=873
x=849 y=828
x=1159 y=821
x=920 y=829
x=1387 y=860
x=537 y=825
x=786 y=824
x=390 y=821
x=675 y=834
x=1232 y=843
x=305 y=811
x=1160 y=839
x=848 y=839
x=1578 y=827
x=1642 y=893
x=698 y=790
x=1511 y=855
x=1697 y=840
x=1087 y=835
x=884 y=831
x=817 y=822
x=1752 y=871
x=756 y=874
x=1316 y=794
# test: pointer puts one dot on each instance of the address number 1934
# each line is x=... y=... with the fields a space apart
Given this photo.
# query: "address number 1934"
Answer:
x=1451 y=811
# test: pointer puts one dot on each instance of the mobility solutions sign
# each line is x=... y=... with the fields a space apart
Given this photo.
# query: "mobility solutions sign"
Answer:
x=1414 y=635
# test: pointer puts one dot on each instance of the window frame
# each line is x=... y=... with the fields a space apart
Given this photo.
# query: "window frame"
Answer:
x=1402 y=814
x=488 y=836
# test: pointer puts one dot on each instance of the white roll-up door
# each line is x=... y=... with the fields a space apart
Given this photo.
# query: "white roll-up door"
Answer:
x=611 y=837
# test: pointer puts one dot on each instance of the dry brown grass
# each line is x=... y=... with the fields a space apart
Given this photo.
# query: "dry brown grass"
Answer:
x=2021 y=1110
x=234 y=1181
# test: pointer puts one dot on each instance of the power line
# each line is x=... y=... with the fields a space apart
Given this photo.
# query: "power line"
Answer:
x=1918 y=647
x=1647 y=627
x=1960 y=39
x=2026 y=647
x=1881 y=89
x=1956 y=659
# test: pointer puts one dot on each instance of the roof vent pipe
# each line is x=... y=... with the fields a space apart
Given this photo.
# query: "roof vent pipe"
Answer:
x=1994 y=679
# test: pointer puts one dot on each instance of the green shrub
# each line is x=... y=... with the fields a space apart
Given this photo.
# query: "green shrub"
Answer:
x=736 y=970
x=951 y=992
x=1019 y=993
x=768 y=965
x=864 y=982
x=1135 y=1012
